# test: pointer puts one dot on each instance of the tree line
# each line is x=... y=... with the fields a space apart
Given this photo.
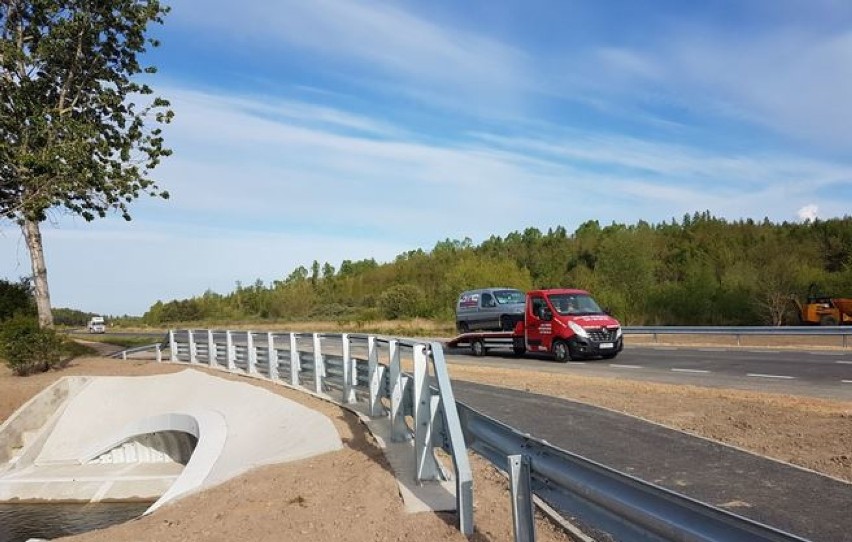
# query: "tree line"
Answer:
x=700 y=270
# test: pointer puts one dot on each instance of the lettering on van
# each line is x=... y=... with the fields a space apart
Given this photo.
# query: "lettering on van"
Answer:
x=545 y=329
x=469 y=301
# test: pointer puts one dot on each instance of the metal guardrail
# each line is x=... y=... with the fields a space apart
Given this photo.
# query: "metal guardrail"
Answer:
x=623 y=506
x=325 y=363
x=739 y=331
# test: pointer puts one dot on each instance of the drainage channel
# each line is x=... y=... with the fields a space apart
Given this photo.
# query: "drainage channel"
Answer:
x=21 y=522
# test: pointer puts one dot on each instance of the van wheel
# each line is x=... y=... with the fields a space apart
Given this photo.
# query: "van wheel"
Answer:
x=560 y=351
x=463 y=327
x=477 y=348
x=506 y=323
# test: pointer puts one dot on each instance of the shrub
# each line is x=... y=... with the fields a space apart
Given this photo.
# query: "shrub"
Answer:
x=400 y=301
x=27 y=348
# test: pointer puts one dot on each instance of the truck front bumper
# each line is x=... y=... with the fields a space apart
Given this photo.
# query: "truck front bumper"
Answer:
x=581 y=347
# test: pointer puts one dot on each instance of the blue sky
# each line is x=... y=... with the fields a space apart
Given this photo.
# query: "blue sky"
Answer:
x=343 y=129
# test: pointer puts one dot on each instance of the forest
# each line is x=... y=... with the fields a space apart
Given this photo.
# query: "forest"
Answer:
x=701 y=270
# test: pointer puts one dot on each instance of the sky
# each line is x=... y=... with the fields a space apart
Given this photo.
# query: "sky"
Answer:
x=341 y=129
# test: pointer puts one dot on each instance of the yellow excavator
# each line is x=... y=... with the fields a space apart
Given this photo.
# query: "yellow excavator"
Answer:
x=823 y=310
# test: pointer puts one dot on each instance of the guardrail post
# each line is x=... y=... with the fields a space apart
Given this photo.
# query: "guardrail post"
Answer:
x=124 y=355
x=159 y=353
x=172 y=346
x=272 y=356
x=374 y=376
x=193 y=354
x=523 y=516
x=427 y=464
x=231 y=351
x=399 y=432
x=737 y=335
x=319 y=368
x=294 y=360
x=251 y=353
x=348 y=365
x=211 y=349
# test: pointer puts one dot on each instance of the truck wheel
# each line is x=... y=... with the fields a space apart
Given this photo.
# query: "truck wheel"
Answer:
x=506 y=323
x=463 y=327
x=560 y=351
x=477 y=348
x=827 y=321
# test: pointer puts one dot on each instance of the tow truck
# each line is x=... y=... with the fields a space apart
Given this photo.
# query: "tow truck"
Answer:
x=565 y=323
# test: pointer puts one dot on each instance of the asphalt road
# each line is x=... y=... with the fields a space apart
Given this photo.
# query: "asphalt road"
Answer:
x=789 y=498
x=826 y=374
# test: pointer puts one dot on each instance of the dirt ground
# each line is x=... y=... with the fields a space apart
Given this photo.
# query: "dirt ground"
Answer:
x=351 y=495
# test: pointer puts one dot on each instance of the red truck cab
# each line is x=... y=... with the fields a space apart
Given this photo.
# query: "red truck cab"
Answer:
x=569 y=324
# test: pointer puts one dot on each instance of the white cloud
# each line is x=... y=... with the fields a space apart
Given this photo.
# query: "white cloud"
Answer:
x=808 y=212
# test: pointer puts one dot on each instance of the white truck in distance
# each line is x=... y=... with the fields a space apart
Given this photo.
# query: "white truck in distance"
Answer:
x=97 y=325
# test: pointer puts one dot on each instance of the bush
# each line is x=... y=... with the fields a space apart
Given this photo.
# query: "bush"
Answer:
x=27 y=348
x=15 y=298
x=401 y=301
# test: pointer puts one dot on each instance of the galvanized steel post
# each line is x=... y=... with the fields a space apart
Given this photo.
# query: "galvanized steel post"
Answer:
x=427 y=464
x=193 y=355
x=399 y=431
x=523 y=509
x=173 y=346
x=294 y=360
x=231 y=352
x=159 y=352
x=211 y=349
x=272 y=356
x=348 y=363
x=373 y=376
x=318 y=364
x=251 y=353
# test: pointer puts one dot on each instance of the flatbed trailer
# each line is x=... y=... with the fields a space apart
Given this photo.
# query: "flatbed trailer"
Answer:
x=481 y=342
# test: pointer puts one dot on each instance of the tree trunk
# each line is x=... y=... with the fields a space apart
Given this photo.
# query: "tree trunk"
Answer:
x=32 y=235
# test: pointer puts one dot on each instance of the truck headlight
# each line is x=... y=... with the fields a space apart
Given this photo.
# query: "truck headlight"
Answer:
x=578 y=330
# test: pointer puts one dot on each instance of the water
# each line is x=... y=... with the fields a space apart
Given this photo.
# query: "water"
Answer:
x=20 y=522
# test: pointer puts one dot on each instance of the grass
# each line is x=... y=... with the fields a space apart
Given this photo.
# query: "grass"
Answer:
x=417 y=327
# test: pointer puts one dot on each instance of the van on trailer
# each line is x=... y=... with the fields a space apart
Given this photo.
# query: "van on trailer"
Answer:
x=489 y=309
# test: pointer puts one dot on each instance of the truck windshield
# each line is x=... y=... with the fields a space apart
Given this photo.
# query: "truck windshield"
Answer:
x=506 y=297
x=576 y=304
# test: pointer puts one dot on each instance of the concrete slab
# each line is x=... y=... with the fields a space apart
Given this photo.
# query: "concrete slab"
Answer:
x=238 y=427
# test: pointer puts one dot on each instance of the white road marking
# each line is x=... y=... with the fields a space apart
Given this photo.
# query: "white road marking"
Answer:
x=763 y=351
x=847 y=381
x=576 y=363
x=625 y=366
x=712 y=349
x=759 y=375
x=845 y=362
x=689 y=370
x=828 y=353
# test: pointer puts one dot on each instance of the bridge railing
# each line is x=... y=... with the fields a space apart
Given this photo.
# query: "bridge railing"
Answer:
x=404 y=380
x=370 y=369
